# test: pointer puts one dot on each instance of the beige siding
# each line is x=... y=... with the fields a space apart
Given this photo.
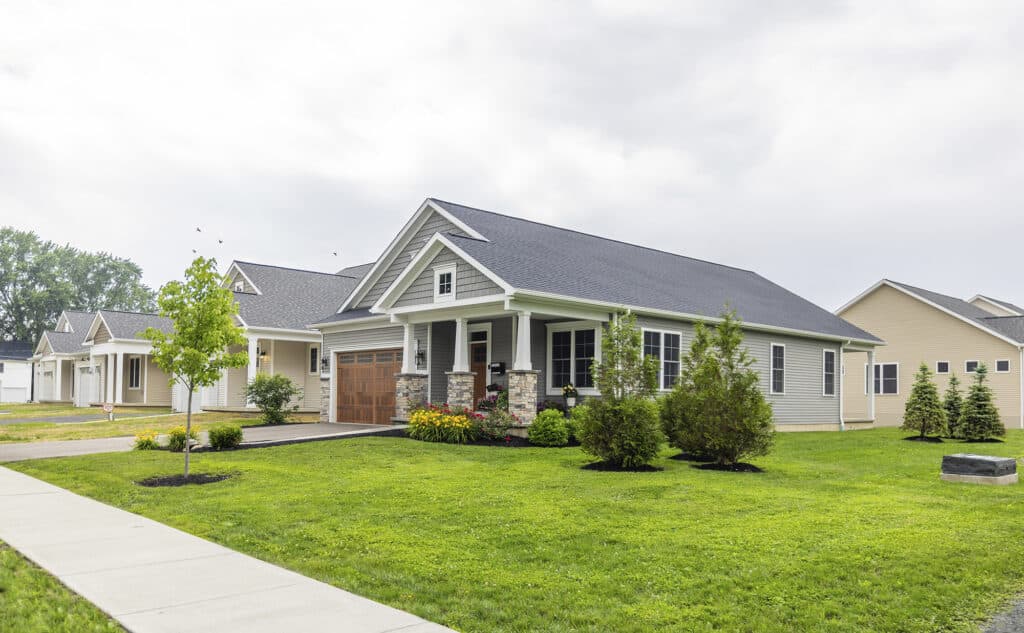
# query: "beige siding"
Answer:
x=102 y=334
x=434 y=224
x=158 y=389
x=311 y=382
x=237 y=378
x=915 y=332
x=289 y=359
x=469 y=282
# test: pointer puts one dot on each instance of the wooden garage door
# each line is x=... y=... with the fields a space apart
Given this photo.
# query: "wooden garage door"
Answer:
x=366 y=385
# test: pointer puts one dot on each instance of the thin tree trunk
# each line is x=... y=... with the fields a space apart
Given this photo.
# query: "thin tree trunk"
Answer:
x=188 y=432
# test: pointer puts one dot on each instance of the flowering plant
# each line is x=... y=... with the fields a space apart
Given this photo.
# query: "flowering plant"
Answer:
x=441 y=423
x=569 y=391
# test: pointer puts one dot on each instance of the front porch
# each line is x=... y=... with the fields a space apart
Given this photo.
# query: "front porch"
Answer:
x=121 y=373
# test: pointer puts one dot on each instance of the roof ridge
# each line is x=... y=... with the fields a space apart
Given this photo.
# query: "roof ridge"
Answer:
x=297 y=270
x=156 y=314
x=598 y=237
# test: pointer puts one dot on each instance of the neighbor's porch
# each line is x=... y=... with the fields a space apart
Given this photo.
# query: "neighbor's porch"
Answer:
x=120 y=373
x=296 y=355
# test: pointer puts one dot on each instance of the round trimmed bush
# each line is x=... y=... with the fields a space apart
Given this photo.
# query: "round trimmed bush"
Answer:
x=549 y=429
x=176 y=438
x=225 y=436
x=624 y=433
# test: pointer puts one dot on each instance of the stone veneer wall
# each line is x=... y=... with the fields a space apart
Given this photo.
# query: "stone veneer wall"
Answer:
x=410 y=391
x=460 y=388
x=325 y=399
x=522 y=395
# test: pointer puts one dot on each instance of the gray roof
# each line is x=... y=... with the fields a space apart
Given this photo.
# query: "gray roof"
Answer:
x=347 y=315
x=1007 y=304
x=1011 y=327
x=292 y=299
x=539 y=257
x=15 y=350
x=80 y=321
x=357 y=272
x=66 y=342
x=130 y=325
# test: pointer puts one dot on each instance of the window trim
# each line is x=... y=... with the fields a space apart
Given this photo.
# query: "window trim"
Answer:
x=441 y=270
x=771 y=369
x=825 y=352
x=661 y=358
x=869 y=382
x=971 y=371
x=1009 y=368
x=319 y=355
x=937 y=372
x=571 y=326
x=137 y=387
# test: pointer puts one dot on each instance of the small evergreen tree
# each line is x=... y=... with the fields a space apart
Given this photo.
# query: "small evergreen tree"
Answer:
x=271 y=395
x=682 y=407
x=953 y=403
x=923 y=411
x=980 y=417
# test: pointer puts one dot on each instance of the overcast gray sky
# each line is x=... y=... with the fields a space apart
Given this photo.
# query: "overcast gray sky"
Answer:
x=823 y=145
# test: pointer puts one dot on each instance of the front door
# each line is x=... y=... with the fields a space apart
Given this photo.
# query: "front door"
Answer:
x=478 y=365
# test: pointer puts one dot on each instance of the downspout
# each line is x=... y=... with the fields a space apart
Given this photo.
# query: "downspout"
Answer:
x=841 y=392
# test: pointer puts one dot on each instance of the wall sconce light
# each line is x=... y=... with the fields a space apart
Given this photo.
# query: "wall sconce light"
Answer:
x=325 y=365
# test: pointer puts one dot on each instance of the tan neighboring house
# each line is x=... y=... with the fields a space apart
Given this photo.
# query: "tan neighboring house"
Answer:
x=950 y=335
x=57 y=353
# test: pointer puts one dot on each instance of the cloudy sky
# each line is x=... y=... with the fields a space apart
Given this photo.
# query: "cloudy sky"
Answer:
x=823 y=145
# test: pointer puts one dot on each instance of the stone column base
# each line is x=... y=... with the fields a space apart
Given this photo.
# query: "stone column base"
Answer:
x=522 y=394
x=410 y=392
x=325 y=399
x=460 y=388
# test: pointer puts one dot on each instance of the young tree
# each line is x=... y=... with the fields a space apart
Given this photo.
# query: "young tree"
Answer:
x=722 y=411
x=203 y=312
x=923 y=411
x=980 y=417
x=953 y=403
x=621 y=427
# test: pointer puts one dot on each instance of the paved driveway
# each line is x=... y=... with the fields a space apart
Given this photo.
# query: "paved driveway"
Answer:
x=252 y=437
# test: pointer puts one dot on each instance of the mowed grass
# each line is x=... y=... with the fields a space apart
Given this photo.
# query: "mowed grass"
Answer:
x=32 y=601
x=842 y=532
x=126 y=424
x=43 y=410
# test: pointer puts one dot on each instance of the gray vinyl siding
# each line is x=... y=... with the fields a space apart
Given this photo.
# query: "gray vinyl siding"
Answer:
x=434 y=224
x=442 y=357
x=377 y=338
x=246 y=286
x=803 y=402
x=469 y=282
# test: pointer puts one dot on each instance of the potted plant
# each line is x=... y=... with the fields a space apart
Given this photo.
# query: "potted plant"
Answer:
x=570 y=394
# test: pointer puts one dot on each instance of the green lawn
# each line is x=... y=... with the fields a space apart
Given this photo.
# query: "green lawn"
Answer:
x=843 y=532
x=50 y=410
x=32 y=601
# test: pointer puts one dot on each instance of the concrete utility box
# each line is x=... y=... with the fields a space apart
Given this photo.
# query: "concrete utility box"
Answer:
x=979 y=469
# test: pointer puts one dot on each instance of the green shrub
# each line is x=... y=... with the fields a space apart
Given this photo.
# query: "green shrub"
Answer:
x=441 y=423
x=271 y=395
x=549 y=429
x=623 y=432
x=176 y=438
x=923 y=411
x=979 y=419
x=146 y=441
x=573 y=423
x=225 y=436
x=953 y=403
x=496 y=425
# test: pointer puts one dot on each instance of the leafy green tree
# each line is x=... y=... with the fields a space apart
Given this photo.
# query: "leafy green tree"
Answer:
x=271 y=395
x=923 y=411
x=39 y=279
x=980 y=417
x=717 y=408
x=953 y=403
x=203 y=313
x=621 y=427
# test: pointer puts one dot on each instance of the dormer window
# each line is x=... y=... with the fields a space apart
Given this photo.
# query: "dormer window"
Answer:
x=239 y=286
x=444 y=283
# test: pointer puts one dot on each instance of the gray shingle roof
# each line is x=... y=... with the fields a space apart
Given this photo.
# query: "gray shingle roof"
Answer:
x=533 y=256
x=130 y=325
x=80 y=321
x=1007 y=304
x=347 y=315
x=1011 y=327
x=15 y=350
x=356 y=272
x=292 y=299
x=66 y=342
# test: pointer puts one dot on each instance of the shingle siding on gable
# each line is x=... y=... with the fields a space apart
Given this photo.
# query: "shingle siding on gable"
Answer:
x=246 y=286
x=469 y=282
x=803 y=402
x=102 y=335
x=434 y=224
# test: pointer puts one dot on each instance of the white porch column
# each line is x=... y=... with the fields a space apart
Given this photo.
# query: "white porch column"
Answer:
x=871 y=385
x=58 y=372
x=253 y=359
x=119 y=383
x=523 y=361
x=409 y=350
x=461 y=346
x=145 y=379
x=108 y=377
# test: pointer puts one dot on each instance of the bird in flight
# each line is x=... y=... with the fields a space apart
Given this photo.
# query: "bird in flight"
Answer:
x=199 y=230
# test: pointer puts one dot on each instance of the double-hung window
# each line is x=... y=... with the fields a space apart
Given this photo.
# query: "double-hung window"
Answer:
x=828 y=372
x=314 y=359
x=942 y=367
x=444 y=283
x=134 y=372
x=664 y=346
x=572 y=349
x=778 y=369
x=886 y=379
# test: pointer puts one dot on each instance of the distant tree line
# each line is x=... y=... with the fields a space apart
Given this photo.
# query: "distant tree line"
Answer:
x=39 y=279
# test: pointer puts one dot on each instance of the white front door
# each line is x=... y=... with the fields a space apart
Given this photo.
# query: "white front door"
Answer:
x=87 y=387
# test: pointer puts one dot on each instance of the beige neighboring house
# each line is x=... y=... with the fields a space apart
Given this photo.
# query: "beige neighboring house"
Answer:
x=950 y=335
x=57 y=354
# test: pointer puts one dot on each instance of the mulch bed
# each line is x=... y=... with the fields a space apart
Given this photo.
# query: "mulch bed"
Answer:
x=608 y=467
x=180 y=480
x=918 y=438
x=732 y=468
x=990 y=440
x=690 y=457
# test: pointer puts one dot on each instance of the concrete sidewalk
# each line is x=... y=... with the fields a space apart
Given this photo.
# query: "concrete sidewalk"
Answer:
x=153 y=578
x=252 y=437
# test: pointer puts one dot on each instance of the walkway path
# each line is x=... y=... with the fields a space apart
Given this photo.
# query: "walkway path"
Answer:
x=253 y=436
x=154 y=579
